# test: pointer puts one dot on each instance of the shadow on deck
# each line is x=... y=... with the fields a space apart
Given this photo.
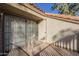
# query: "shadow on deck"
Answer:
x=49 y=50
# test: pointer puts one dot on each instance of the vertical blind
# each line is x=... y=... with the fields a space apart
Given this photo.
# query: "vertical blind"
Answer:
x=19 y=31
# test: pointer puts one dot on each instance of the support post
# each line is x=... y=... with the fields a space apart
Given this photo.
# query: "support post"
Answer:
x=1 y=34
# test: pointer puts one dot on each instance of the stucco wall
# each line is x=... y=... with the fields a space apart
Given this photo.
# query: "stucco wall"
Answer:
x=42 y=30
x=50 y=27
x=54 y=26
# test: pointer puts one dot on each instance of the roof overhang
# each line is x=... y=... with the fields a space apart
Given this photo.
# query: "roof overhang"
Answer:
x=62 y=17
x=29 y=11
x=23 y=10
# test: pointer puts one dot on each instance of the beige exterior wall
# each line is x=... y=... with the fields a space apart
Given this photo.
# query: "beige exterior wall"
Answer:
x=42 y=30
x=75 y=44
x=54 y=26
x=50 y=27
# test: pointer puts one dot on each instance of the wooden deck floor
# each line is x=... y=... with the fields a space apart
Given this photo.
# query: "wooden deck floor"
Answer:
x=49 y=50
x=56 y=51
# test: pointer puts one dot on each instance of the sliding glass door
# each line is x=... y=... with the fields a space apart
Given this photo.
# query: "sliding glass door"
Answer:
x=14 y=32
x=19 y=32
